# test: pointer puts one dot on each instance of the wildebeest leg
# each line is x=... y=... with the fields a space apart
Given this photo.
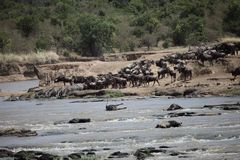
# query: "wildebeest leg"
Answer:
x=158 y=82
x=211 y=62
x=153 y=83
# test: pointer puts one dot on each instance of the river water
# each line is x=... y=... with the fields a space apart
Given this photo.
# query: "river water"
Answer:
x=215 y=137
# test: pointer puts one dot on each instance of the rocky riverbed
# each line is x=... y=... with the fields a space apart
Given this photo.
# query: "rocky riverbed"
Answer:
x=207 y=129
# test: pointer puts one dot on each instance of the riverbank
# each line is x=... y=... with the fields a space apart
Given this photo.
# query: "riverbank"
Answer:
x=206 y=80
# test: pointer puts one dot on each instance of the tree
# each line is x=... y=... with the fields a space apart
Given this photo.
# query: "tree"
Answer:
x=96 y=34
x=231 y=22
x=27 y=25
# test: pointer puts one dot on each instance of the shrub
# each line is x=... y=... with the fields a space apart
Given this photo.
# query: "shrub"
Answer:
x=96 y=34
x=43 y=43
x=231 y=21
x=114 y=94
x=138 y=32
x=165 y=44
x=5 y=42
x=27 y=25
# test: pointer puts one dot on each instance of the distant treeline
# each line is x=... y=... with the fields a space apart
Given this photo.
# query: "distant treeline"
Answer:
x=94 y=27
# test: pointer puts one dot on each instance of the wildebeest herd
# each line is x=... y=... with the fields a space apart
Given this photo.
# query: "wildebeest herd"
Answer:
x=140 y=73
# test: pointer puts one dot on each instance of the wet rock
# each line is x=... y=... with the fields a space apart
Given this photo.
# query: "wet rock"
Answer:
x=80 y=120
x=164 y=147
x=173 y=93
x=47 y=156
x=90 y=154
x=195 y=149
x=59 y=122
x=89 y=150
x=5 y=153
x=189 y=92
x=35 y=155
x=17 y=132
x=174 y=107
x=13 y=98
x=169 y=124
x=235 y=106
x=114 y=107
x=75 y=156
x=190 y=114
x=143 y=153
x=119 y=155
x=180 y=114
x=83 y=128
x=175 y=153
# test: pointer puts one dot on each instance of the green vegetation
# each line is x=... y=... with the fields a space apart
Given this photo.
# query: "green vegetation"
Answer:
x=91 y=28
x=232 y=92
x=114 y=94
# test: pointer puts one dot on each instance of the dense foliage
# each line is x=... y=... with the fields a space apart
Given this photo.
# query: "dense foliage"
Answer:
x=91 y=28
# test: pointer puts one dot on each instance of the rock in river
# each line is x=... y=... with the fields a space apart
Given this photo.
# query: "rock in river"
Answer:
x=119 y=155
x=5 y=153
x=35 y=155
x=17 y=132
x=169 y=124
x=114 y=107
x=174 y=107
x=80 y=120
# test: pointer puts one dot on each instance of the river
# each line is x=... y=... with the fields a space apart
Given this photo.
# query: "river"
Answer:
x=215 y=137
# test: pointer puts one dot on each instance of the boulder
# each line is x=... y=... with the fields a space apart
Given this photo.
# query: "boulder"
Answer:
x=5 y=153
x=190 y=114
x=80 y=120
x=35 y=155
x=119 y=154
x=143 y=153
x=169 y=124
x=235 y=106
x=75 y=156
x=174 y=107
x=17 y=132
x=114 y=107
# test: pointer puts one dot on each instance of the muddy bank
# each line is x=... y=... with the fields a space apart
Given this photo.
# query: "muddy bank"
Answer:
x=77 y=91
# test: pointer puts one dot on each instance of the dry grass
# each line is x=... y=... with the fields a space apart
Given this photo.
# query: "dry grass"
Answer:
x=229 y=39
x=41 y=57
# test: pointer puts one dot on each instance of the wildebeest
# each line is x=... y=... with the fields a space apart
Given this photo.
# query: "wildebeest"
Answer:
x=149 y=78
x=162 y=72
x=185 y=73
x=63 y=79
x=78 y=79
x=228 y=48
x=160 y=63
x=236 y=72
x=173 y=76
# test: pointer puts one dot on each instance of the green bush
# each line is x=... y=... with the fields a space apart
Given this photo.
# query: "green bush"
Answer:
x=27 y=25
x=5 y=42
x=138 y=32
x=114 y=94
x=96 y=34
x=231 y=21
x=165 y=44
x=43 y=43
